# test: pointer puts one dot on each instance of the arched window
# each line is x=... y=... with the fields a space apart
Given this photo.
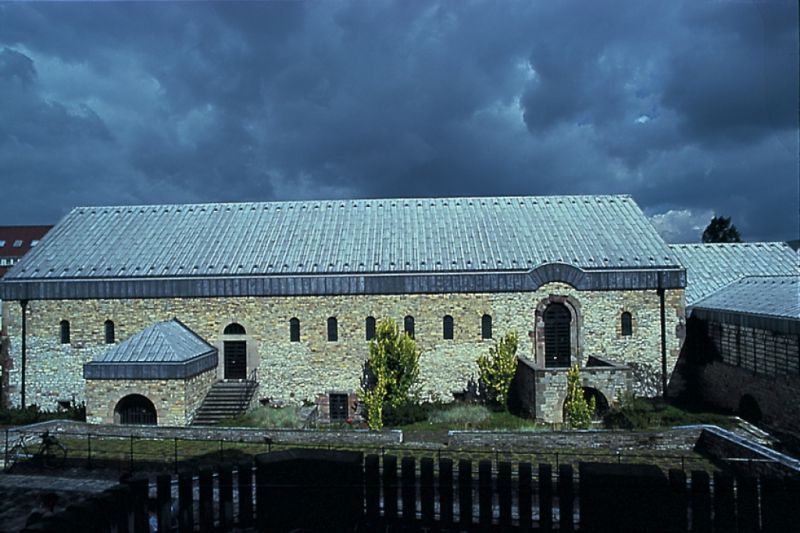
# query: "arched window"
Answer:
x=109 y=331
x=294 y=329
x=369 y=327
x=408 y=325
x=135 y=409
x=333 y=329
x=626 y=323
x=447 y=327
x=234 y=329
x=65 y=332
x=486 y=327
x=557 y=333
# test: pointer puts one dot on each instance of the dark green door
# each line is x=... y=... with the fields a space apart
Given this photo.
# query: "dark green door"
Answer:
x=235 y=359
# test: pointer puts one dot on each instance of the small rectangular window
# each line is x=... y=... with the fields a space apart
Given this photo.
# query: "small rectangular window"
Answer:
x=338 y=407
x=18 y=244
x=2 y=243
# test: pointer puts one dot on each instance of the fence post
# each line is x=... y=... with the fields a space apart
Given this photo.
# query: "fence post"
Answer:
x=524 y=500
x=206 y=503
x=121 y=496
x=244 y=479
x=566 y=498
x=408 y=488
x=139 y=488
x=724 y=505
x=225 y=496
x=465 y=493
x=185 y=502
x=131 y=453
x=504 y=493
x=164 y=501
x=485 y=493
x=372 y=480
x=701 y=502
x=176 y=455
x=5 y=459
x=678 y=502
x=747 y=499
x=776 y=505
x=390 y=488
x=89 y=451
x=446 y=492
x=545 y=497
x=426 y=490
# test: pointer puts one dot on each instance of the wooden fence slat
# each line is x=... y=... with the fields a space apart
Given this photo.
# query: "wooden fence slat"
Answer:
x=747 y=504
x=774 y=505
x=678 y=502
x=724 y=504
x=164 y=501
x=426 y=494
x=701 y=502
x=372 y=486
x=244 y=482
x=524 y=497
x=446 y=492
x=206 y=500
x=566 y=499
x=121 y=495
x=185 y=503
x=545 y=497
x=139 y=493
x=485 y=493
x=390 y=488
x=465 y=493
x=225 y=496
x=409 y=488
x=504 y=493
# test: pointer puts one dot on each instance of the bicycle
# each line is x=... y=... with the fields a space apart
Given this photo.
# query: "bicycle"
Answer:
x=51 y=453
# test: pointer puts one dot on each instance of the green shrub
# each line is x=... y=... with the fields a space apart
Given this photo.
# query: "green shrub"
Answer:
x=497 y=369
x=577 y=411
x=649 y=413
x=31 y=414
x=407 y=413
x=461 y=415
x=268 y=418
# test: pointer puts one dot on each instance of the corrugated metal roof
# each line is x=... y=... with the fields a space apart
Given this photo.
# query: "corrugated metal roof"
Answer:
x=774 y=296
x=709 y=267
x=346 y=236
x=163 y=342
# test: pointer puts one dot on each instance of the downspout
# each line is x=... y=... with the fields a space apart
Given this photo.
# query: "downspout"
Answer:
x=660 y=292
x=24 y=305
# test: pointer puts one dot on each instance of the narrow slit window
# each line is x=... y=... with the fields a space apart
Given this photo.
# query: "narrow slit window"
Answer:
x=369 y=327
x=65 y=332
x=333 y=329
x=408 y=325
x=294 y=329
x=109 y=327
x=486 y=327
x=626 y=323
x=447 y=327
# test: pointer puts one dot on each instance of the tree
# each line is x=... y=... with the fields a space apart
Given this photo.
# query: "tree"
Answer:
x=497 y=369
x=720 y=229
x=390 y=372
x=577 y=411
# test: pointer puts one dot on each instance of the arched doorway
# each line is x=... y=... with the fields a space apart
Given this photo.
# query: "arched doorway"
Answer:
x=600 y=401
x=557 y=346
x=135 y=409
x=235 y=352
x=749 y=409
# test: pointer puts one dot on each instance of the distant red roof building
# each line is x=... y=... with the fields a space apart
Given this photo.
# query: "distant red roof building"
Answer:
x=15 y=241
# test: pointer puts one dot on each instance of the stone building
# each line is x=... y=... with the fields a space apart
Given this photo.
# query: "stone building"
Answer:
x=288 y=293
x=742 y=351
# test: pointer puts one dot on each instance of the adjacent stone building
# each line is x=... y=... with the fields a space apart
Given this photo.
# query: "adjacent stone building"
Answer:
x=289 y=292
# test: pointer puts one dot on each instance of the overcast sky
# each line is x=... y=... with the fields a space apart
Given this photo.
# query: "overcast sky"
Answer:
x=691 y=107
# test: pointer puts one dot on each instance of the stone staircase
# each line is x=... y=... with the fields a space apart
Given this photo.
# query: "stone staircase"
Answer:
x=224 y=400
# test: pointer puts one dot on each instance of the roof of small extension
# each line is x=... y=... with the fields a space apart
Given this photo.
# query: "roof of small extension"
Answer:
x=372 y=236
x=765 y=302
x=710 y=267
x=162 y=351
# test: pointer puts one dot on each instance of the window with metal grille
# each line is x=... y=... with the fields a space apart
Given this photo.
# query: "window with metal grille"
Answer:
x=234 y=329
x=294 y=330
x=408 y=325
x=486 y=327
x=557 y=333
x=109 y=327
x=333 y=329
x=135 y=409
x=447 y=327
x=626 y=323
x=369 y=328
x=64 y=332
x=338 y=406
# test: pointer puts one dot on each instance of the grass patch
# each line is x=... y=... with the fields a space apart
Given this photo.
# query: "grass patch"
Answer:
x=268 y=418
x=32 y=414
x=654 y=413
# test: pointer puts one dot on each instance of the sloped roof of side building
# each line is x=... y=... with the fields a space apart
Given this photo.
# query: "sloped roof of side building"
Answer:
x=347 y=241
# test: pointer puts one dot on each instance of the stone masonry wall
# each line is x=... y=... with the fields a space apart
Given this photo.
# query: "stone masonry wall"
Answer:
x=175 y=400
x=297 y=371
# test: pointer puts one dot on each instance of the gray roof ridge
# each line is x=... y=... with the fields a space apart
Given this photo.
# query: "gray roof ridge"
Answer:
x=728 y=244
x=190 y=330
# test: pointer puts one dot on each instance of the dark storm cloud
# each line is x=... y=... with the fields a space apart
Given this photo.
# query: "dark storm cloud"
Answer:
x=691 y=107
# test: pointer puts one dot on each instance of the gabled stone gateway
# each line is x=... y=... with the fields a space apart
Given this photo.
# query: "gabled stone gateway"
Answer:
x=287 y=291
